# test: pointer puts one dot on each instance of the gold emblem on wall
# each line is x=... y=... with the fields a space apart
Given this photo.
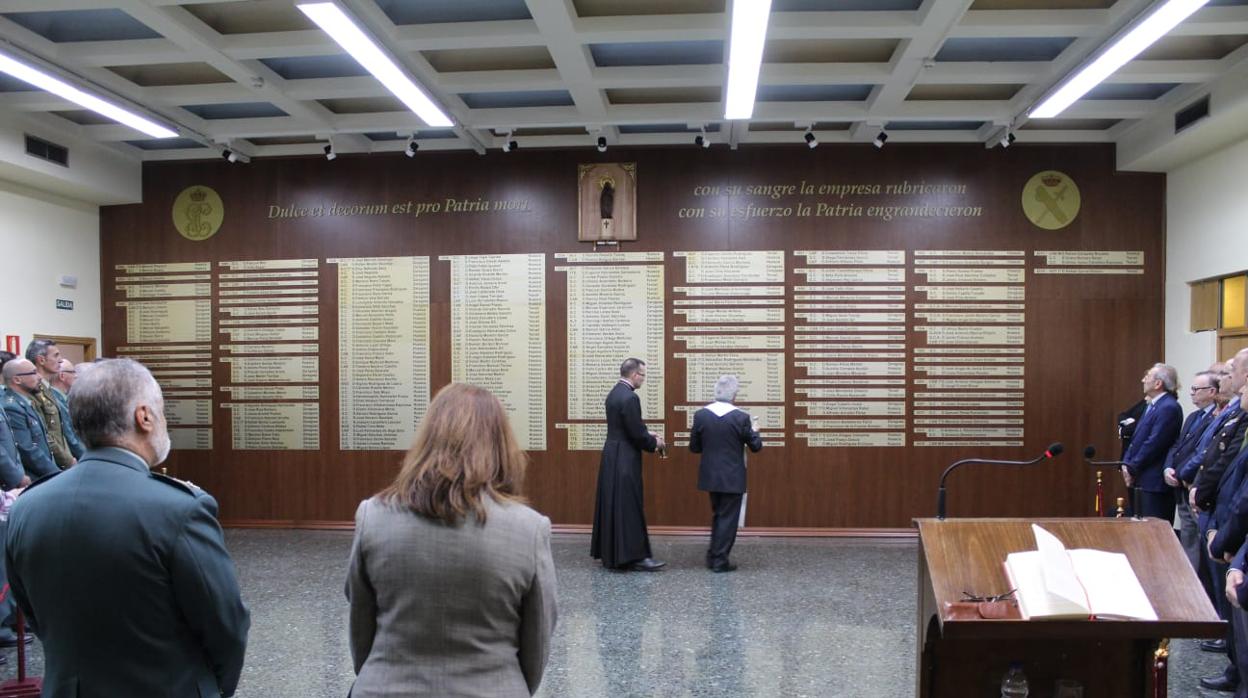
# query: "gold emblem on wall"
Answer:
x=607 y=198
x=1051 y=199
x=198 y=213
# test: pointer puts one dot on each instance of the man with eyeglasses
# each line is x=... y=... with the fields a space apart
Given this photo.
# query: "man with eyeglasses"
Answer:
x=60 y=383
x=1203 y=392
x=29 y=435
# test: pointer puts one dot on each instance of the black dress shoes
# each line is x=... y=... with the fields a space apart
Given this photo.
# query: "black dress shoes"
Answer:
x=1213 y=646
x=726 y=567
x=647 y=565
x=1218 y=683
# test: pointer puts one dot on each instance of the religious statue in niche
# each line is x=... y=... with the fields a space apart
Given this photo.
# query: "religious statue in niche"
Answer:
x=607 y=197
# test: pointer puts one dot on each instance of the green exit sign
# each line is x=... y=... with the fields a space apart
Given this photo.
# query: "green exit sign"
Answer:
x=63 y=304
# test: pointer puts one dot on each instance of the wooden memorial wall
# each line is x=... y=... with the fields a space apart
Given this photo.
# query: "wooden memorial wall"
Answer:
x=887 y=311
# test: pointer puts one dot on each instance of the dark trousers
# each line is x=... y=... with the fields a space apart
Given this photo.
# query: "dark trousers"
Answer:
x=1239 y=652
x=725 y=512
x=1159 y=505
x=1217 y=570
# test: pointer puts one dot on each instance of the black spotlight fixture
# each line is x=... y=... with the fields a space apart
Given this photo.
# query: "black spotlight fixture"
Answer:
x=880 y=140
x=1008 y=139
x=811 y=141
x=329 y=151
x=229 y=155
x=702 y=140
x=602 y=144
x=412 y=147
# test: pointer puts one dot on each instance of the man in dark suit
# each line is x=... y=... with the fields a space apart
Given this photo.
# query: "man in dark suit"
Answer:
x=1203 y=391
x=619 y=538
x=1212 y=488
x=721 y=431
x=122 y=571
x=1156 y=433
x=1226 y=538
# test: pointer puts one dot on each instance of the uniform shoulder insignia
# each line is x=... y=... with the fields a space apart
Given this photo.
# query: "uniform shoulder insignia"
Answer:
x=185 y=485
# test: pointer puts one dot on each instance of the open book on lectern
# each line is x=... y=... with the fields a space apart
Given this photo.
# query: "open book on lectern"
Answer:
x=1054 y=583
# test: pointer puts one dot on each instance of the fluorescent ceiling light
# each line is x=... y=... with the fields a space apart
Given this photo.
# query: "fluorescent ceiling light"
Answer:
x=1155 y=26
x=62 y=89
x=745 y=55
x=335 y=22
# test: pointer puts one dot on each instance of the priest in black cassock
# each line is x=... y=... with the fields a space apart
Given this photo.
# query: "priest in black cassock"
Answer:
x=620 y=539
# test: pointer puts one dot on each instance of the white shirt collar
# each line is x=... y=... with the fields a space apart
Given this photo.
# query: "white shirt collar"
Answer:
x=721 y=408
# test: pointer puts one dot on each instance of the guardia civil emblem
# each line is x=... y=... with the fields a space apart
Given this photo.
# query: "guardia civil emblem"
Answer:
x=1051 y=200
x=198 y=213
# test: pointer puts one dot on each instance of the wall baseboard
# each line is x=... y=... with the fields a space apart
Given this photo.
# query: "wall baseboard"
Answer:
x=752 y=531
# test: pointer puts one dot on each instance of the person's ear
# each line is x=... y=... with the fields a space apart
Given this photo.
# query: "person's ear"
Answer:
x=144 y=420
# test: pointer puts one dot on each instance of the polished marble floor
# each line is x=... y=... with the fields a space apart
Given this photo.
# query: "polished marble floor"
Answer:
x=802 y=617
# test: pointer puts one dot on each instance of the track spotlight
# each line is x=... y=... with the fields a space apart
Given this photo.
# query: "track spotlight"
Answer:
x=1008 y=139
x=880 y=140
x=329 y=151
x=412 y=147
x=510 y=145
x=229 y=155
x=811 y=141
x=702 y=139
x=602 y=144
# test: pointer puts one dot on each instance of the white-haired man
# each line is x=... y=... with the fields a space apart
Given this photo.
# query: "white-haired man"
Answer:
x=721 y=431
x=122 y=571
x=1156 y=433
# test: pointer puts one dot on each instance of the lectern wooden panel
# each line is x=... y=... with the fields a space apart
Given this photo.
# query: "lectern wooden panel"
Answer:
x=961 y=656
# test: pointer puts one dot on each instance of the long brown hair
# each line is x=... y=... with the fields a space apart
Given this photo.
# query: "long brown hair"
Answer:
x=464 y=451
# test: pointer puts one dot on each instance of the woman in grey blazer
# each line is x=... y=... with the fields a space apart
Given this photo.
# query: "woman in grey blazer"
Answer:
x=451 y=581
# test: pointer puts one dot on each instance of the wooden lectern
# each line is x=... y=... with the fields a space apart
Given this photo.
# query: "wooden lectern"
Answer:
x=964 y=655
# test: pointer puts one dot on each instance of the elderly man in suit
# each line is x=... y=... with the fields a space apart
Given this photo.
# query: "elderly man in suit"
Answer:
x=1157 y=431
x=1204 y=391
x=619 y=537
x=721 y=431
x=124 y=571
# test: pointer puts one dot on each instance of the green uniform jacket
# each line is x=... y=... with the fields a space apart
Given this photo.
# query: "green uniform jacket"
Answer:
x=50 y=413
x=67 y=427
x=11 y=471
x=125 y=576
x=28 y=435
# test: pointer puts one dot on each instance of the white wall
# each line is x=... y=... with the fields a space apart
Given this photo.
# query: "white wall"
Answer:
x=43 y=236
x=1206 y=235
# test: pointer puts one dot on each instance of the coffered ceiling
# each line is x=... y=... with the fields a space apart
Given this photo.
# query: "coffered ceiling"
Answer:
x=258 y=77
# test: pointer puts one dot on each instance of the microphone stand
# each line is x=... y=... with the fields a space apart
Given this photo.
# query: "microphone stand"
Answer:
x=1053 y=450
x=1089 y=452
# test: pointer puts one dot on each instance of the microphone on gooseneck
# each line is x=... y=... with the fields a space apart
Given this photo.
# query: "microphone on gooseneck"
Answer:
x=1054 y=450
x=1089 y=452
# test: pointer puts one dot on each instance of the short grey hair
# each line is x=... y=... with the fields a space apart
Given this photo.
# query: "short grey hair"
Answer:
x=1168 y=376
x=37 y=348
x=726 y=388
x=103 y=401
